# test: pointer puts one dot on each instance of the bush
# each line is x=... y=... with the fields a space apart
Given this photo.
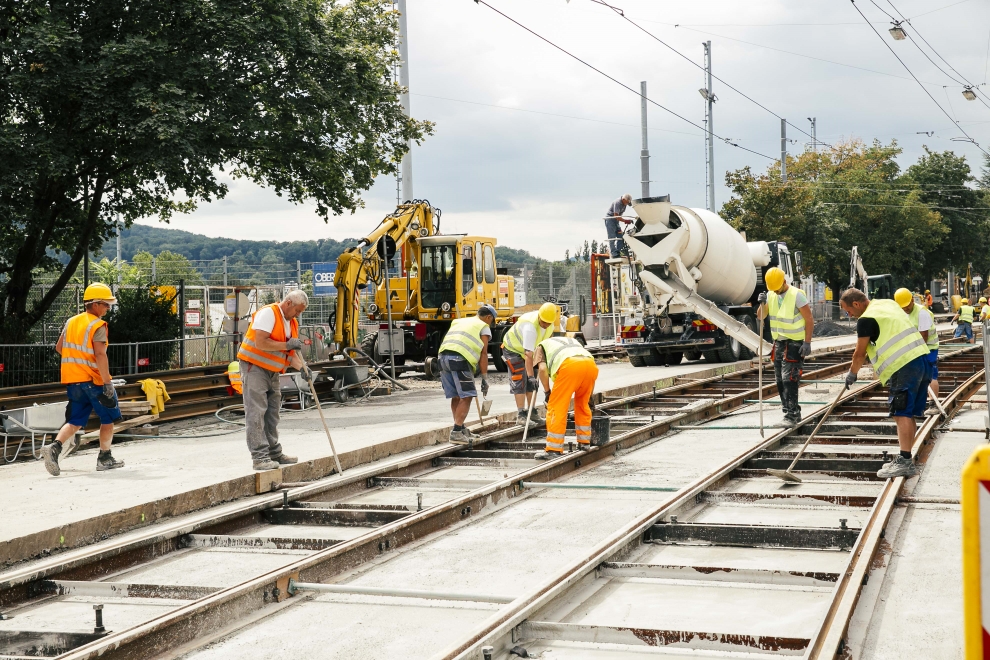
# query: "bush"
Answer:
x=144 y=314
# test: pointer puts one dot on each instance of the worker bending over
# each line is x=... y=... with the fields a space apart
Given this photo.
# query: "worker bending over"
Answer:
x=85 y=372
x=900 y=360
x=270 y=345
x=791 y=327
x=463 y=352
x=573 y=372
x=616 y=245
x=518 y=345
x=924 y=321
x=964 y=318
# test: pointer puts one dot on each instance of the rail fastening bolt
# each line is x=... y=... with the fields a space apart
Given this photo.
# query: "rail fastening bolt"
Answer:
x=99 y=629
x=842 y=523
x=486 y=651
x=419 y=501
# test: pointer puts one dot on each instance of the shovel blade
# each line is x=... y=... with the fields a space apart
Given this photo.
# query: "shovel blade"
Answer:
x=785 y=475
x=486 y=406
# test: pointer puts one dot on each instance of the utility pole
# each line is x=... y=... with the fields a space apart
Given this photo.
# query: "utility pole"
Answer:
x=225 y=271
x=783 y=151
x=710 y=98
x=814 y=135
x=120 y=275
x=406 y=165
x=644 y=154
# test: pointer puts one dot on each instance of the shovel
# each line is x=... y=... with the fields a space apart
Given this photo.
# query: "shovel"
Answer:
x=938 y=403
x=787 y=475
x=760 y=385
x=316 y=400
x=529 y=413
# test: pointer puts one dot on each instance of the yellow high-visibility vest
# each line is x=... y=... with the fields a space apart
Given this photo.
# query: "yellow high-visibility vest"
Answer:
x=559 y=349
x=915 y=314
x=899 y=341
x=513 y=338
x=464 y=338
x=786 y=321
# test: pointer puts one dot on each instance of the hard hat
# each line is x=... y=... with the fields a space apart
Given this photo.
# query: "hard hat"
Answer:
x=548 y=312
x=487 y=310
x=965 y=301
x=98 y=291
x=774 y=278
x=927 y=291
x=903 y=297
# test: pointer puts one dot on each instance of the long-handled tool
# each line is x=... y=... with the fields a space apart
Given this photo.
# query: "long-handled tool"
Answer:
x=760 y=379
x=529 y=413
x=787 y=475
x=938 y=404
x=316 y=400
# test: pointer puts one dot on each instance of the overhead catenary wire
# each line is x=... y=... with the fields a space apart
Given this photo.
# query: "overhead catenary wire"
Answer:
x=920 y=84
x=617 y=81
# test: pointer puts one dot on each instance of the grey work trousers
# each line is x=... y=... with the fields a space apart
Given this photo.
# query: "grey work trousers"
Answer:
x=787 y=367
x=616 y=244
x=262 y=400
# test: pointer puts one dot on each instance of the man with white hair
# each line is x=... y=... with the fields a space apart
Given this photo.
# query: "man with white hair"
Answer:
x=613 y=217
x=270 y=345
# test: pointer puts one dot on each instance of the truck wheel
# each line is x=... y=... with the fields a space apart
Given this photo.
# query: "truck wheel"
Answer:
x=732 y=351
x=749 y=322
x=368 y=345
x=637 y=361
x=654 y=359
x=710 y=356
x=692 y=355
x=674 y=358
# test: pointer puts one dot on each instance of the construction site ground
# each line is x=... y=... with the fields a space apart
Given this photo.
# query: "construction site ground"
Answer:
x=160 y=467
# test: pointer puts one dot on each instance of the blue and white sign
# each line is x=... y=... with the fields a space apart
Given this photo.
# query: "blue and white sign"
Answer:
x=323 y=275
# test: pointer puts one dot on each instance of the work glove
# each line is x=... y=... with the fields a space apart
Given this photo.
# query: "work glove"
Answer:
x=294 y=344
x=851 y=378
x=306 y=372
x=484 y=387
x=805 y=349
x=108 y=398
x=532 y=384
x=762 y=298
x=546 y=397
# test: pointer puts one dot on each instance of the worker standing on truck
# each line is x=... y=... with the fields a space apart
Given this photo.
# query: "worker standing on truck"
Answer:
x=924 y=320
x=612 y=219
x=900 y=360
x=964 y=318
x=574 y=372
x=791 y=327
x=270 y=345
x=518 y=346
x=464 y=351
x=85 y=372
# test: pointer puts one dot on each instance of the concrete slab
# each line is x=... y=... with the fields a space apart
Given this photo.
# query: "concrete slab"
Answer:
x=209 y=567
x=338 y=532
x=784 y=559
x=75 y=614
x=822 y=515
x=557 y=650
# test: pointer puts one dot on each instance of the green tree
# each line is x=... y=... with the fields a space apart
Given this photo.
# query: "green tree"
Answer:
x=169 y=268
x=131 y=109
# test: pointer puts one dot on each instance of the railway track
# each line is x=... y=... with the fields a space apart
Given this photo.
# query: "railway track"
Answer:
x=197 y=586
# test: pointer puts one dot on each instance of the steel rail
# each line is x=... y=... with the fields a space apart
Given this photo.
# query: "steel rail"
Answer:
x=501 y=624
x=206 y=615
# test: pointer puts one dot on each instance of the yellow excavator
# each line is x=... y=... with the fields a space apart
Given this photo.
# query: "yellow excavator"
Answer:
x=434 y=279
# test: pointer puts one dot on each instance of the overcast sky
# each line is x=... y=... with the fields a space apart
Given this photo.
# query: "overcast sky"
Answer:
x=532 y=146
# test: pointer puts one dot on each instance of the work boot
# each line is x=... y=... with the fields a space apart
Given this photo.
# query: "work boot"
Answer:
x=51 y=458
x=106 y=461
x=462 y=436
x=546 y=455
x=899 y=467
x=790 y=422
x=285 y=459
x=584 y=446
x=265 y=464
x=521 y=419
x=932 y=409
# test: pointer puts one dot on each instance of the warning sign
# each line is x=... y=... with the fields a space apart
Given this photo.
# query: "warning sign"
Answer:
x=193 y=318
x=976 y=553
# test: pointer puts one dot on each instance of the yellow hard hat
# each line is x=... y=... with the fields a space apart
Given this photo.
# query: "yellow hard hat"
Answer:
x=548 y=312
x=903 y=297
x=774 y=278
x=965 y=301
x=983 y=299
x=99 y=291
x=927 y=291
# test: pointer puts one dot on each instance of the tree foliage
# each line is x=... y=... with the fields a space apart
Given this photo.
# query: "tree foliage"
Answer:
x=143 y=314
x=833 y=200
x=122 y=110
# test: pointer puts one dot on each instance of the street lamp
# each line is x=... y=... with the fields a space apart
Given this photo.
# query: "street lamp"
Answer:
x=897 y=32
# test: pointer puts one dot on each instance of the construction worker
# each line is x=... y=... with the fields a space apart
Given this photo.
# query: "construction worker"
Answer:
x=85 y=373
x=270 y=345
x=900 y=360
x=791 y=327
x=924 y=320
x=964 y=318
x=985 y=311
x=518 y=345
x=573 y=371
x=463 y=352
x=928 y=299
x=613 y=217
x=234 y=375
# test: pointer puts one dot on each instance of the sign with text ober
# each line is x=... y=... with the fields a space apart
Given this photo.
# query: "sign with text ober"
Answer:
x=323 y=274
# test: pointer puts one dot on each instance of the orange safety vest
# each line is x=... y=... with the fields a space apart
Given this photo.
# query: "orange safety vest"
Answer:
x=271 y=360
x=234 y=374
x=78 y=354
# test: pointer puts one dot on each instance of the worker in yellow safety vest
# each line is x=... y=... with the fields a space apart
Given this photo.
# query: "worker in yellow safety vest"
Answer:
x=573 y=372
x=271 y=344
x=924 y=321
x=984 y=308
x=464 y=351
x=900 y=360
x=85 y=372
x=964 y=318
x=791 y=326
x=518 y=346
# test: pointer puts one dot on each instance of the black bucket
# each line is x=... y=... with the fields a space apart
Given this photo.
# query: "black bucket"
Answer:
x=601 y=425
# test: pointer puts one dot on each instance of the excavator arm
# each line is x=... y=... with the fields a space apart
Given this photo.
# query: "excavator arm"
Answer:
x=362 y=264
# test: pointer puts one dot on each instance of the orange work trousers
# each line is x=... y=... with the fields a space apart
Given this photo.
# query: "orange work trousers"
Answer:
x=575 y=377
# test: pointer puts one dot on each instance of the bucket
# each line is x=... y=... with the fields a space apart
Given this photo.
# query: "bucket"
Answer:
x=600 y=427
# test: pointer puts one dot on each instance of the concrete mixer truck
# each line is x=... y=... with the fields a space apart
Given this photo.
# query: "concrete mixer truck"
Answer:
x=691 y=284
